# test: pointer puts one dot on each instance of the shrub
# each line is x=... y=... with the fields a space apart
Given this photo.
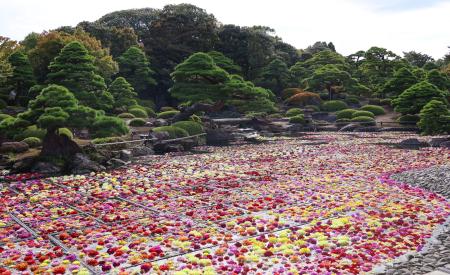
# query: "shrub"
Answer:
x=2 y=104
x=126 y=115
x=193 y=128
x=297 y=119
x=385 y=102
x=31 y=131
x=365 y=120
x=293 y=112
x=167 y=108
x=363 y=113
x=353 y=100
x=334 y=105
x=137 y=122
x=434 y=118
x=107 y=126
x=255 y=114
x=275 y=115
x=150 y=112
x=346 y=113
x=147 y=103
x=376 y=110
x=66 y=132
x=343 y=121
x=11 y=127
x=289 y=92
x=195 y=118
x=375 y=101
x=413 y=99
x=4 y=116
x=305 y=98
x=324 y=96
x=174 y=132
x=408 y=119
x=107 y=140
x=167 y=114
x=313 y=107
x=138 y=112
x=33 y=142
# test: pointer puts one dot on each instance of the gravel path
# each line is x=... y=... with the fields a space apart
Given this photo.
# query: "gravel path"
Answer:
x=436 y=254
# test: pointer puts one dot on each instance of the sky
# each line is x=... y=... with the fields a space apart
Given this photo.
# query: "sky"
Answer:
x=352 y=25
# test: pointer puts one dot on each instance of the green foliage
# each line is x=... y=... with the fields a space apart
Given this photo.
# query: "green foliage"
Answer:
x=225 y=63
x=10 y=127
x=400 y=81
x=74 y=69
x=53 y=118
x=440 y=80
x=334 y=105
x=137 y=112
x=22 y=73
x=352 y=100
x=123 y=93
x=107 y=126
x=147 y=103
x=137 y=122
x=4 y=116
x=346 y=113
x=376 y=110
x=198 y=78
x=297 y=119
x=385 y=102
x=126 y=115
x=343 y=121
x=33 y=142
x=315 y=108
x=364 y=120
x=66 y=132
x=167 y=114
x=416 y=97
x=408 y=119
x=107 y=140
x=2 y=104
x=174 y=132
x=326 y=77
x=363 y=113
x=304 y=98
x=275 y=76
x=195 y=118
x=434 y=118
x=293 y=112
x=289 y=92
x=31 y=131
x=167 y=108
x=193 y=128
x=135 y=67
x=417 y=59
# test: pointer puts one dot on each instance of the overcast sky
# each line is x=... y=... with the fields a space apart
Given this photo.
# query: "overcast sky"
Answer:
x=352 y=25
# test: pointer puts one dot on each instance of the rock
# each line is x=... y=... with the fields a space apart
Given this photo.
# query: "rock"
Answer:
x=115 y=163
x=162 y=148
x=445 y=144
x=13 y=147
x=23 y=165
x=159 y=135
x=367 y=129
x=125 y=155
x=412 y=143
x=218 y=137
x=46 y=168
x=81 y=164
x=399 y=129
x=188 y=144
x=160 y=122
x=436 y=142
x=142 y=151
x=348 y=128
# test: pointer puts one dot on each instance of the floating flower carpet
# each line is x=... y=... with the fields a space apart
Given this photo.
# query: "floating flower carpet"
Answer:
x=321 y=205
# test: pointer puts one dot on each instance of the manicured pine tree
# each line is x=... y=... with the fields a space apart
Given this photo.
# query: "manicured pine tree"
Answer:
x=412 y=100
x=123 y=93
x=74 y=69
x=22 y=77
x=400 y=81
x=275 y=76
x=225 y=63
x=135 y=68
x=438 y=79
x=434 y=118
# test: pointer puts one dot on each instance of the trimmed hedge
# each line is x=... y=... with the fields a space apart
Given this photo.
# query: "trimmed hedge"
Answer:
x=107 y=126
x=367 y=121
x=137 y=122
x=193 y=128
x=334 y=105
x=385 y=102
x=4 y=116
x=126 y=115
x=408 y=119
x=363 y=113
x=293 y=112
x=65 y=132
x=174 y=132
x=167 y=108
x=31 y=131
x=346 y=113
x=343 y=121
x=297 y=119
x=138 y=112
x=376 y=110
x=167 y=114
x=107 y=140
x=352 y=100
x=33 y=142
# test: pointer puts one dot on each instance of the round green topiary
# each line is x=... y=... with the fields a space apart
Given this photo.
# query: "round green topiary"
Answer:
x=364 y=120
x=408 y=119
x=385 y=102
x=108 y=126
x=297 y=119
x=167 y=108
x=193 y=128
x=174 y=132
x=137 y=122
x=352 y=100
x=363 y=113
x=33 y=142
x=4 y=116
x=334 y=105
x=126 y=115
x=346 y=113
x=66 y=132
x=315 y=108
x=376 y=110
x=343 y=121
x=293 y=112
x=138 y=112
x=167 y=114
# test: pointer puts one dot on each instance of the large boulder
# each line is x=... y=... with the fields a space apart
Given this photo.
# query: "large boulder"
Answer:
x=160 y=122
x=115 y=163
x=125 y=155
x=412 y=143
x=46 y=168
x=437 y=142
x=349 y=127
x=81 y=164
x=13 y=147
x=218 y=137
x=142 y=151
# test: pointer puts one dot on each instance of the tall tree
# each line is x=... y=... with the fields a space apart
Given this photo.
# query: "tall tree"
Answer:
x=412 y=100
x=439 y=79
x=275 y=76
x=22 y=77
x=74 y=69
x=135 y=67
x=417 y=59
x=198 y=79
x=225 y=63
x=400 y=81
x=123 y=93
x=330 y=78
x=7 y=47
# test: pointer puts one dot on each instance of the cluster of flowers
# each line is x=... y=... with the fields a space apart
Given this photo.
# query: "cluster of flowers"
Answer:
x=287 y=207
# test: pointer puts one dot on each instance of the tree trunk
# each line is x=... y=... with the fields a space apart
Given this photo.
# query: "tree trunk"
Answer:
x=55 y=145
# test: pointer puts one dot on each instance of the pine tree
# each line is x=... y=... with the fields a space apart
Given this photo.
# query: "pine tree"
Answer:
x=225 y=63
x=275 y=76
x=74 y=69
x=123 y=93
x=400 y=81
x=22 y=74
x=135 y=67
x=412 y=100
x=434 y=118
